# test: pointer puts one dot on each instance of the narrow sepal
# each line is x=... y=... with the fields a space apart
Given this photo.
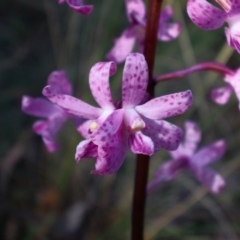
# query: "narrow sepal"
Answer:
x=166 y=106
x=135 y=79
x=99 y=83
x=205 y=15
x=72 y=105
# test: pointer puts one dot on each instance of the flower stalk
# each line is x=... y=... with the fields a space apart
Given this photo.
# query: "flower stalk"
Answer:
x=139 y=195
x=207 y=66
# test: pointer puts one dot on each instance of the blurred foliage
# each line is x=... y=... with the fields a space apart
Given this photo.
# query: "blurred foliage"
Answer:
x=49 y=196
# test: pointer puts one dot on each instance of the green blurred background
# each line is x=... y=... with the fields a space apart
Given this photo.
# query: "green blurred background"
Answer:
x=49 y=196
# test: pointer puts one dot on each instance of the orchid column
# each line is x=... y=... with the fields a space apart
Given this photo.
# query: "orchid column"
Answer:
x=154 y=7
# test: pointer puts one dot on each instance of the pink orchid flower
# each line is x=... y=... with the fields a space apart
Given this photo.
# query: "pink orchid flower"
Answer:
x=136 y=31
x=209 y=17
x=222 y=95
x=77 y=5
x=186 y=157
x=43 y=108
x=111 y=128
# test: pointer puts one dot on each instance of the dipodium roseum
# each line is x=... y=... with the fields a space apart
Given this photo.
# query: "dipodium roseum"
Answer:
x=136 y=31
x=209 y=17
x=77 y=5
x=41 y=107
x=186 y=157
x=221 y=95
x=114 y=126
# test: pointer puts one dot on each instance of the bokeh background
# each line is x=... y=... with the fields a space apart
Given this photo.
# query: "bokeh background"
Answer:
x=49 y=196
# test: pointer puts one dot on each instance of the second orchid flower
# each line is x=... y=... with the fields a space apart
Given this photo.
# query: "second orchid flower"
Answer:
x=136 y=31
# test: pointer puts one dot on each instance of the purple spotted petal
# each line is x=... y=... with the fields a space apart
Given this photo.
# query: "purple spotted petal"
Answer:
x=122 y=46
x=209 y=154
x=135 y=79
x=83 y=129
x=178 y=153
x=86 y=149
x=111 y=154
x=166 y=14
x=166 y=172
x=221 y=95
x=205 y=15
x=135 y=6
x=212 y=180
x=72 y=105
x=110 y=138
x=169 y=31
x=39 y=107
x=166 y=106
x=141 y=144
x=48 y=130
x=108 y=128
x=163 y=134
x=192 y=137
x=41 y=128
x=99 y=83
x=78 y=6
x=60 y=83
x=234 y=81
x=235 y=4
x=140 y=23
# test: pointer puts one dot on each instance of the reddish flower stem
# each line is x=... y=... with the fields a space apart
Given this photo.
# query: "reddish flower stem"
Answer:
x=139 y=195
x=211 y=66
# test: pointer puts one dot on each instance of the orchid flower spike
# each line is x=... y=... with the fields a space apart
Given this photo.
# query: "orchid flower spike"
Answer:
x=136 y=31
x=43 y=108
x=77 y=5
x=222 y=95
x=186 y=157
x=111 y=128
x=209 y=17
